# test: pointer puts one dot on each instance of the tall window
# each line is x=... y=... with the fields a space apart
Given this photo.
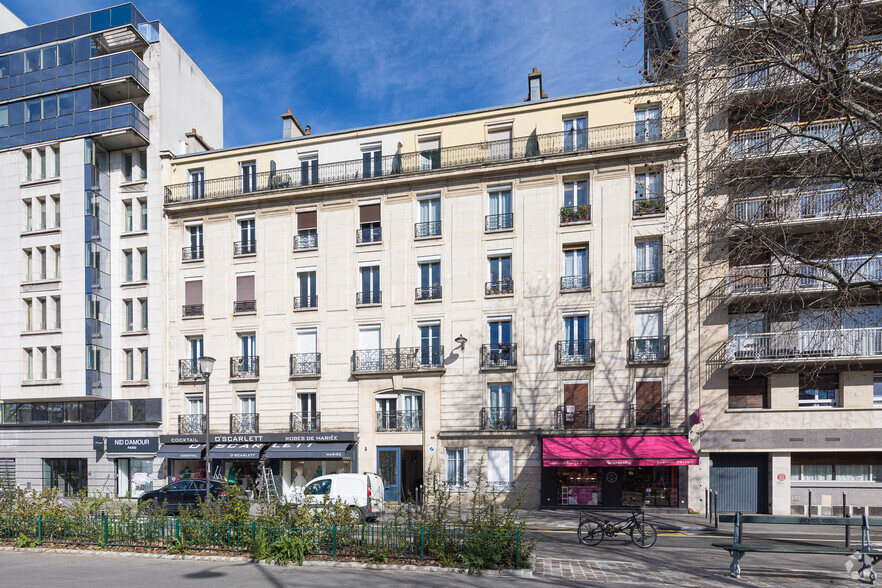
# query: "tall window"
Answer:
x=877 y=389
x=195 y=184
x=29 y=363
x=370 y=285
x=145 y=372
x=195 y=251
x=430 y=345
x=647 y=124
x=127 y=206
x=197 y=348
x=575 y=269
x=649 y=408
x=142 y=253
x=500 y=275
x=456 y=467
x=307 y=230
x=647 y=342
x=128 y=166
x=499 y=462
x=245 y=300
x=129 y=266
x=430 y=217
x=56 y=208
x=29 y=215
x=575 y=204
x=500 y=414
x=499 y=353
x=42 y=204
x=499 y=143
x=249 y=177
x=309 y=173
x=429 y=147
x=501 y=216
x=70 y=476
x=130 y=314
x=369 y=223
x=142 y=205
x=130 y=364
x=143 y=305
x=372 y=160
x=307 y=418
x=648 y=258
x=575 y=133
x=430 y=279
x=648 y=193
x=307 y=289
x=247 y=236
x=193 y=305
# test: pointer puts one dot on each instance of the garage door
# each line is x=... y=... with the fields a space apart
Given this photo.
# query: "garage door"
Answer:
x=742 y=479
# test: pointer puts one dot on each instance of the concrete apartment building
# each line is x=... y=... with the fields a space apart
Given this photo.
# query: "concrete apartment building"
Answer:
x=497 y=289
x=87 y=104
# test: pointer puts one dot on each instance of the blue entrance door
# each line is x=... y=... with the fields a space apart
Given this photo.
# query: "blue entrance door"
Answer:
x=389 y=469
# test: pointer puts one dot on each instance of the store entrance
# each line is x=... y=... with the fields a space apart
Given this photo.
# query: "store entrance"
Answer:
x=612 y=486
x=411 y=473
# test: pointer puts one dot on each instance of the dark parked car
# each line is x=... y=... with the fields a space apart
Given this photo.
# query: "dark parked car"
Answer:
x=181 y=494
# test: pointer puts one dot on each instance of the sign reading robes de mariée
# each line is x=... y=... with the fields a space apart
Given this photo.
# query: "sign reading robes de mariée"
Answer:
x=132 y=444
x=296 y=437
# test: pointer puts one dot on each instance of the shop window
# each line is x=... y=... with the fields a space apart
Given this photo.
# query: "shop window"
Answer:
x=133 y=477
x=68 y=475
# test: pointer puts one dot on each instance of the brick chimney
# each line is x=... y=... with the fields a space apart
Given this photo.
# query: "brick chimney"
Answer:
x=534 y=86
x=291 y=127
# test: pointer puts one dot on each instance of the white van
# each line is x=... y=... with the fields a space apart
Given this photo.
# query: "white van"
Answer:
x=364 y=492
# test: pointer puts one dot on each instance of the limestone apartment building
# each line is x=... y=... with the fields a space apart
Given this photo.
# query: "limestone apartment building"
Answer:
x=484 y=289
x=86 y=105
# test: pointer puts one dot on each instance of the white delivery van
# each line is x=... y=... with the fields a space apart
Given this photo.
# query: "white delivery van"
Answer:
x=364 y=492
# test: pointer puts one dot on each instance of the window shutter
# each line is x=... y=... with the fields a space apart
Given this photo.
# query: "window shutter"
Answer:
x=244 y=288
x=750 y=393
x=369 y=213
x=193 y=292
x=306 y=220
x=429 y=144
x=649 y=394
x=499 y=135
x=576 y=395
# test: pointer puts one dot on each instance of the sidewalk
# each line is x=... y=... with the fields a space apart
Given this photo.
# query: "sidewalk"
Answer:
x=664 y=520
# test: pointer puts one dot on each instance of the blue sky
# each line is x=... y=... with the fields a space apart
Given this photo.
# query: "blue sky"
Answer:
x=343 y=64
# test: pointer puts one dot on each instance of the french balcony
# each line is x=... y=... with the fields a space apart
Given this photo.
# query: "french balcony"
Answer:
x=571 y=215
x=581 y=283
x=427 y=229
x=193 y=253
x=244 y=306
x=245 y=367
x=369 y=235
x=649 y=349
x=191 y=424
x=188 y=370
x=305 y=365
x=658 y=417
x=499 y=222
x=649 y=206
x=245 y=422
x=398 y=360
x=305 y=302
x=245 y=247
x=499 y=356
x=503 y=287
x=192 y=310
x=399 y=420
x=425 y=293
x=575 y=354
x=370 y=298
x=306 y=240
x=574 y=417
x=648 y=278
x=860 y=345
x=305 y=422
x=499 y=418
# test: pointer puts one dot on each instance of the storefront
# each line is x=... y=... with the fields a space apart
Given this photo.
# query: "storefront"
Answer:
x=134 y=463
x=614 y=471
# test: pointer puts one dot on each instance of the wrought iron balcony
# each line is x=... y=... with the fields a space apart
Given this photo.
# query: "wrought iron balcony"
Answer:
x=416 y=162
x=192 y=253
x=499 y=419
x=193 y=310
x=800 y=346
x=368 y=298
x=574 y=417
x=575 y=283
x=649 y=277
x=245 y=367
x=502 y=287
x=369 y=235
x=499 y=356
x=305 y=364
x=306 y=240
x=305 y=302
x=188 y=369
x=428 y=229
x=243 y=306
x=245 y=422
x=575 y=353
x=191 y=424
x=656 y=416
x=429 y=292
x=399 y=420
x=397 y=360
x=649 y=349
x=305 y=421
x=245 y=247
x=575 y=214
x=649 y=206
x=499 y=222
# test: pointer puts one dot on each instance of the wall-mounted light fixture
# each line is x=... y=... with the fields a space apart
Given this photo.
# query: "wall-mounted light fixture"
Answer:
x=461 y=341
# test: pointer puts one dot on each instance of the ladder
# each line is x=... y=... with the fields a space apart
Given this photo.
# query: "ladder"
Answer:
x=268 y=490
x=218 y=474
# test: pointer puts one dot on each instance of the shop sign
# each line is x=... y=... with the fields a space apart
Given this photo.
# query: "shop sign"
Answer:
x=582 y=463
x=344 y=437
x=98 y=443
x=132 y=444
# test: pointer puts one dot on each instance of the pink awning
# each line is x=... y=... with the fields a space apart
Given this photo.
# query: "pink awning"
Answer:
x=649 y=450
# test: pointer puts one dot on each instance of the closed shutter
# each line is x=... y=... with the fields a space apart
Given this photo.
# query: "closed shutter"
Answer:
x=576 y=395
x=369 y=213
x=750 y=393
x=307 y=220
x=499 y=466
x=7 y=473
x=499 y=135
x=244 y=288
x=193 y=292
x=429 y=144
x=649 y=395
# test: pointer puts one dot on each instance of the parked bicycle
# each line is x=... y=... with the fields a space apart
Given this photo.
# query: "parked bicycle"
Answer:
x=592 y=529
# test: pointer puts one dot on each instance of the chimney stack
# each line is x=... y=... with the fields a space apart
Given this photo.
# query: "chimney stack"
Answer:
x=534 y=85
x=291 y=127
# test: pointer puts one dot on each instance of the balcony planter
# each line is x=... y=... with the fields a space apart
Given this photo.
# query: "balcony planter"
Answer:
x=574 y=214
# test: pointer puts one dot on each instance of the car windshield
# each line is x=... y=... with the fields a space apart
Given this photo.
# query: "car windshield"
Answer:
x=319 y=487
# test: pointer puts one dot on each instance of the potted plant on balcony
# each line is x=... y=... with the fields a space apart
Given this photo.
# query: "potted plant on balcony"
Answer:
x=654 y=205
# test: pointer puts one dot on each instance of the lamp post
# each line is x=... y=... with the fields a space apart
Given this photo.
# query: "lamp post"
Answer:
x=206 y=364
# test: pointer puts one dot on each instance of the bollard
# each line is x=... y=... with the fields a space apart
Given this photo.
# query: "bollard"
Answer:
x=40 y=528
x=716 y=510
x=422 y=542
x=518 y=550
x=706 y=505
x=846 y=515
x=335 y=541
x=810 y=503
x=104 y=542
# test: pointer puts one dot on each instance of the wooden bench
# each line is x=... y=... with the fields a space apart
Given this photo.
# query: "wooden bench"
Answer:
x=737 y=549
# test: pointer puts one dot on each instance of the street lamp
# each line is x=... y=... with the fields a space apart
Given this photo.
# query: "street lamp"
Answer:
x=206 y=364
x=461 y=341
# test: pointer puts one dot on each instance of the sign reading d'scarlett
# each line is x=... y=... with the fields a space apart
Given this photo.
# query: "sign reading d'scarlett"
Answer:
x=132 y=444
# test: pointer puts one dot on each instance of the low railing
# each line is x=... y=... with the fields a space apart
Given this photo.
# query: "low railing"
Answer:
x=502 y=287
x=499 y=355
x=799 y=138
x=368 y=298
x=649 y=277
x=306 y=241
x=814 y=204
x=858 y=269
x=397 y=359
x=191 y=424
x=193 y=310
x=655 y=416
x=245 y=367
x=399 y=420
x=305 y=421
x=305 y=364
x=575 y=214
x=427 y=229
x=575 y=353
x=499 y=419
x=245 y=247
x=369 y=235
x=246 y=422
x=304 y=302
x=649 y=206
x=559 y=143
x=499 y=222
x=242 y=306
x=805 y=344
x=750 y=278
x=192 y=253
x=574 y=417
x=649 y=349
x=429 y=292
x=580 y=283
x=188 y=369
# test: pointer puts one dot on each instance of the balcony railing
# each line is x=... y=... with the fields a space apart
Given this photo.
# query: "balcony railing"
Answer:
x=243 y=306
x=575 y=214
x=192 y=253
x=305 y=302
x=649 y=277
x=799 y=138
x=305 y=364
x=749 y=278
x=475 y=154
x=655 y=416
x=429 y=292
x=191 y=424
x=305 y=421
x=369 y=235
x=574 y=417
x=188 y=369
x=576 y=353
x=368 y=298
x=649 y=349
x=306 y=241
x=502 y=287
x=499 y=355
x=246 y=422
x=800 y=345
x=399 y=420
x=814 y=204
x=397 y=359
x=499 y=222
x=245 y=367
x=245 y=247
x=193 y=310
x=649 y=206
x=499 y=419
x=575 y=283
x=858 y=269
x=428 y=229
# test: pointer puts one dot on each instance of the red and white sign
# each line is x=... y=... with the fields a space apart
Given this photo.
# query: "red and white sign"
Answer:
x=781 y=477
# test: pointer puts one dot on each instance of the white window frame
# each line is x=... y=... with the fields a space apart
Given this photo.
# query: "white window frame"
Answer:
x=464 y=482
x=500 y=484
